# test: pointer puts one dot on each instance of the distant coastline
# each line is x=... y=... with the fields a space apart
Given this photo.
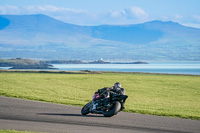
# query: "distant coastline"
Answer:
x=101 y=61
x=20 y=63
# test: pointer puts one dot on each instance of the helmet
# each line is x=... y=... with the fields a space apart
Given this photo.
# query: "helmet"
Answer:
x=117 y=85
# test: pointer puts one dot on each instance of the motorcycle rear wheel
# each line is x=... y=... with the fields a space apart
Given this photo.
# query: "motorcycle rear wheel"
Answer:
x=113 y=111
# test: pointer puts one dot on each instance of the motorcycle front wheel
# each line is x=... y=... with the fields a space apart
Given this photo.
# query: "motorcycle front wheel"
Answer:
x=86 y=109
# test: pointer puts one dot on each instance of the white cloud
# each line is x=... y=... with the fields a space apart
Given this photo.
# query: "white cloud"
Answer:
x=117 y=14
x=131 y=15
x=9 y=9
x=136 y=12
x=178 y=16
x=64 y=14
x=194 y=25
x=37 y=9
x=196 y=17
x=50 y=8
x=174 y=18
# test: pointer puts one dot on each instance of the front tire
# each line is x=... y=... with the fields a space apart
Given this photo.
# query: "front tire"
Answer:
x=86 y=109
x=113 y=111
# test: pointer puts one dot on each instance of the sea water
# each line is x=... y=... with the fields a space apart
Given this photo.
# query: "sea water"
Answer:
x=153 y=67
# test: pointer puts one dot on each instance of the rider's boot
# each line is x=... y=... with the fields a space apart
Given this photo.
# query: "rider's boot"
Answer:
x=94 y=106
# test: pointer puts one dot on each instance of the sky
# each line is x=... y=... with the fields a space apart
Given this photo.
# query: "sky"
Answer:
x=115 y=12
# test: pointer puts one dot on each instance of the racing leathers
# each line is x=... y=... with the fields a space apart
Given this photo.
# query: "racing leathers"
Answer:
x=107 y=92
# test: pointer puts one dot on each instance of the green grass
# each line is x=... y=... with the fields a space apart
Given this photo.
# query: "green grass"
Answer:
x=14 y=131
x=165 y=95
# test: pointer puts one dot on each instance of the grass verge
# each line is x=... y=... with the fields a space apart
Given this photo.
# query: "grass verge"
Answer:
x=164 y=95
x=14 y=131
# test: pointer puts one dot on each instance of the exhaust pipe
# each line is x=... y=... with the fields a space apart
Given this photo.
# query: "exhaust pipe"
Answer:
x=97 y=112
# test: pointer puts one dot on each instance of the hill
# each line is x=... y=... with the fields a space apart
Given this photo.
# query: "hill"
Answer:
x=42 y=37
x=20 y=63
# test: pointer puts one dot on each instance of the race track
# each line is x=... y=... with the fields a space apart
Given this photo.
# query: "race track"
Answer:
x=25 y=115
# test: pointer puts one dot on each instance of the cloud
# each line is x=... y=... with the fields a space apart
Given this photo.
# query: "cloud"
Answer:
x=197 y=17
x=136 y=12
x=50 y=9
x=178 y=16
x=131 y=15
x=117 y=14
x=9 y=9
x=192 y=21
x=194 y=25
x=64 y=14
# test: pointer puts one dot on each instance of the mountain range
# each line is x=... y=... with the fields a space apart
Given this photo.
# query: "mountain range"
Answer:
x=42 y=37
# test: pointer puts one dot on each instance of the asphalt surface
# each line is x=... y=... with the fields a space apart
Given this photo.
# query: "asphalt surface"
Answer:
x=25 y=115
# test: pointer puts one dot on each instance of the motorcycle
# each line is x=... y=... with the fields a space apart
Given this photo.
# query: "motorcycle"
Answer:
x=106 y=106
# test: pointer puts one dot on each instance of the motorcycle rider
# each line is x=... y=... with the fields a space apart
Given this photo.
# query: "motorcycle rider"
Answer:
x=106 y=92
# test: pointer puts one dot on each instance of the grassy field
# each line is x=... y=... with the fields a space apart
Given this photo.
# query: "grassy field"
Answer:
x=165 y=95
x=14 y=131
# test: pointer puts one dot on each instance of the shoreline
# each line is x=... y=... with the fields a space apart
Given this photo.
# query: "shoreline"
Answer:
x=87 y=72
